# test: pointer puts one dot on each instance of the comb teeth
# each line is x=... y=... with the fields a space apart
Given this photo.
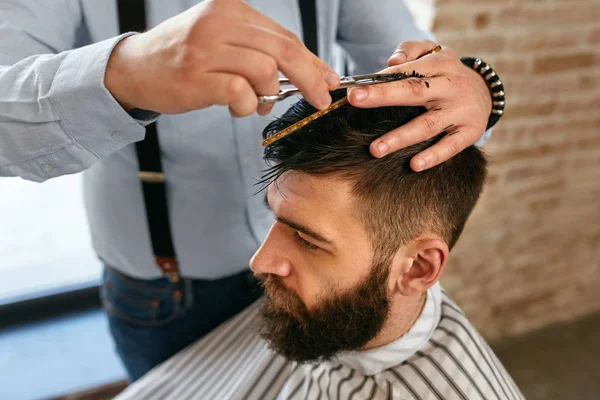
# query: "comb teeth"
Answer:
x=304 y=122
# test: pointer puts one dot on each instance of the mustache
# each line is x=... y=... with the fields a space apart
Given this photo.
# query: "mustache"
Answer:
x=272 y=283
x=280 y=298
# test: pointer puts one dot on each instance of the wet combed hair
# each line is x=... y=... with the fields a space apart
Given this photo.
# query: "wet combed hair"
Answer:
x=395 y=204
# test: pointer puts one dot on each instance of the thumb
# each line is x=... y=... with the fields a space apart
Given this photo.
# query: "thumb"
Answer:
x=410 y=51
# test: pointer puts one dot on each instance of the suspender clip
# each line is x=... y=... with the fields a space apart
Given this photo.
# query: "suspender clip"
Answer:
x=151 y=176
x=170 y=267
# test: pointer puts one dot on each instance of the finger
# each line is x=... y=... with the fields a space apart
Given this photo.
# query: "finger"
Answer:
x=332 y=79
x=431 y=64
x=254 y=17
x=406 y=92
x=242 y=100
x=410 y=51
x=449 y=146
x=421 y=128
x=264 y=109
x=303 y=68
x=256 y=67
x=218 y=88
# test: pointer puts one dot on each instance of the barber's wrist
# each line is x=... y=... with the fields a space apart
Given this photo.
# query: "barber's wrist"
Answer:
x=494 y=85
x=120 y=73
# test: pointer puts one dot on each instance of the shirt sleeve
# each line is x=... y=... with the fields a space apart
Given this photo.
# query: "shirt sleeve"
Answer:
x=370 y=32
x=56 y=115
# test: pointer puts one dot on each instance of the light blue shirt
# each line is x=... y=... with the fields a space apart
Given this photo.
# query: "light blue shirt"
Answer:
x=57 y=117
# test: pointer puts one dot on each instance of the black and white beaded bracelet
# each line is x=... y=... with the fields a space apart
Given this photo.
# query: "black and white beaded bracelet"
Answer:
x=494 y=84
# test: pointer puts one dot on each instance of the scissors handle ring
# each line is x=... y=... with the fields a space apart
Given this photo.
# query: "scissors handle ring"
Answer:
x=269 y=99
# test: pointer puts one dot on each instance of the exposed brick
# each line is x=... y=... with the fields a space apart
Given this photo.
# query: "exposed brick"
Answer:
x=562 y=62
x=569 y=129
x=512 y=66
x=482 y=20
x=530 y=134
x=594 y=37
x=477 y=45
x=591 y=81
x=517 y=110
x=524 y=303
x=442 y=3
x=453 y=21
x=579 y=103
x=532 y=86
x=554 y=41
x=530 y=15
x=529 y=171
x=544 y=187
x=513 y=268
x=544 y=205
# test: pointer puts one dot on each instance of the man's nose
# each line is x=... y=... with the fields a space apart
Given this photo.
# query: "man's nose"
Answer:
x=271 y=257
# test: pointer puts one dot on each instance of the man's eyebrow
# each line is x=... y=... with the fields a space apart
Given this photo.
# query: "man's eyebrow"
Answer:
x=299 y=228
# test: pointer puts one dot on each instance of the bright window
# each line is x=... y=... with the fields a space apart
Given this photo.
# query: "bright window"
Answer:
x=45 y=243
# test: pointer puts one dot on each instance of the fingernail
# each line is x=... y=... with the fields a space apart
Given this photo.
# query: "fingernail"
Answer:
x=360 y=94
x=325 y=101
x=264 y=109
x=398 y=56
x=420 y=164
x=332 y=79
x=269 y=109
x=382 y=147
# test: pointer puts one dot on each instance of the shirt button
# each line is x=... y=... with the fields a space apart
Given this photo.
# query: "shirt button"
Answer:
x=118 y=137
x=47 y=168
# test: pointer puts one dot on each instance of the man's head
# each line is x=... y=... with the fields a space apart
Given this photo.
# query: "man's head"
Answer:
x=355 y=235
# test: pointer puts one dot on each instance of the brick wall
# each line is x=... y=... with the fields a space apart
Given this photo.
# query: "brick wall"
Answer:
x=530 y=255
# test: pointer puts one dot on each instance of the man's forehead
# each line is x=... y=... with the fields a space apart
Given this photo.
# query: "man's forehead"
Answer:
x=302 y=190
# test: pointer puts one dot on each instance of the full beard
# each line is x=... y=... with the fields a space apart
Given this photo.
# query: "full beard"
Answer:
x=342 y=322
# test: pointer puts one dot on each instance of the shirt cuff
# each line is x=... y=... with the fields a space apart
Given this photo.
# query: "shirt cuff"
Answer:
x=486 y=136
x=144 y=117
x=89 y=113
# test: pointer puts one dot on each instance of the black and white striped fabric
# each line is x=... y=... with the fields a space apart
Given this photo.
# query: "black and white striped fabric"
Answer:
x=441 y=357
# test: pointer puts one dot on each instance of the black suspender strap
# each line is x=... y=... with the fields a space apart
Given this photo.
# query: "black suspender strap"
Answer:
x=132 y=17
x=308 y=13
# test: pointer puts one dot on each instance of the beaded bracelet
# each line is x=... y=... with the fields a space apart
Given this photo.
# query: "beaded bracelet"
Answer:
x=493 y=83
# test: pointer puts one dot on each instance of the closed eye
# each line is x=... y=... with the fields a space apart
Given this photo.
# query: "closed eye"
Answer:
x=305 y=243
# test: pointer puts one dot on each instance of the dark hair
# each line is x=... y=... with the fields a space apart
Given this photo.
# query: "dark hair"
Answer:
x=396 y=204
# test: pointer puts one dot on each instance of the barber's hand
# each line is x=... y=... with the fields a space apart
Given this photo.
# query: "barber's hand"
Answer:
x=456 y=97
x=218 y=52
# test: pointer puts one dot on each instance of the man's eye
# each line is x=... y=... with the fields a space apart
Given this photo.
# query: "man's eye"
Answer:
x=305 y=243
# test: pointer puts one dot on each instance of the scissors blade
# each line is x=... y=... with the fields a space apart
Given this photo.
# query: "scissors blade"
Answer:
x=345 y=82
x=360 y=80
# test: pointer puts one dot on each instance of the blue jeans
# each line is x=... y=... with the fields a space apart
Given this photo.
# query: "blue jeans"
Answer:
x=150 y=320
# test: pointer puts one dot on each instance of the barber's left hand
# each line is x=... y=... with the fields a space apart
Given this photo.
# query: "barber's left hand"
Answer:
x=457 y=99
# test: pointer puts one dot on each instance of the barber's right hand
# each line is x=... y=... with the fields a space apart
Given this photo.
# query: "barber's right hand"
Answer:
x=218 y=52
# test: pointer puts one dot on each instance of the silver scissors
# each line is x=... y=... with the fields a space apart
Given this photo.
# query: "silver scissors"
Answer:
x=345 y=82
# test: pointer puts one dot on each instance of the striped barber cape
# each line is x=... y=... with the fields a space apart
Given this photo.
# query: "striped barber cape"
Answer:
x=441 y=357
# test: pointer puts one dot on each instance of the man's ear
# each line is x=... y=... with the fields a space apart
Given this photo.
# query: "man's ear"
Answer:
x=426 y=262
